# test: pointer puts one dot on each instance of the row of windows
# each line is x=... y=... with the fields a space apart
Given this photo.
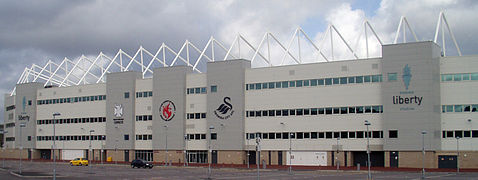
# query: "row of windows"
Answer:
x=316 y=135
x=316 y=111
x=201 y=136
x=8 y=108
x=315 y=82
x=144 y=118
x=196 y=115
x=72 y=138
x=72 y=99
x=73 y=120
x=9 y=125
x=144 y=94
x=10 y=139
x=144 y=136
x=460 y=133
x=459 y=108
x=196 y=90
x=459 y=77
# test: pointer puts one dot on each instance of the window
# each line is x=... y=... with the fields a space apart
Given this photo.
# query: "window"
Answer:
x=457 y=77
x=29 y=102
x=313 y=135
x=392 y=77
x=298 y=83
x=313 y=111
x=343 y=110
x=313 y=82
x=271 y=85
x=458 y=108
x=126 y=95
x=474 y=76
x=376 y=78
x=278 y=84
x=392 y=134
x=351 y=79
x=360 y=134
x=320 y=82
x=292 y=83
x=351 y=134
x=126 y=137
x=213 y=136
x=359 y=79
x=343 y=80
x=328 y=81
x=458 y=134
x=213 y=88
x=335 y=81
x=328 y=135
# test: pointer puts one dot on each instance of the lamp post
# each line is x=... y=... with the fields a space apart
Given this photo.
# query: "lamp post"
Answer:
x=166 y=137
x=54 y=134
x=209 y=153
x=3 y=148
x=185 y=150
x=247 y=150
x=258 y=153
x=21 y=147
x=290 y=153
x=90 y=153
x=369 y=176
x=337 y=157
x=457 y=154
x=423 y=154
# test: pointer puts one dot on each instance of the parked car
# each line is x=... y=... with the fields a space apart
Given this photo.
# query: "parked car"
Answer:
x=79 y=162
x=139 y=163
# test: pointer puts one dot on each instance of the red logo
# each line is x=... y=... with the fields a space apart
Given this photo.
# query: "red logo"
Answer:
x=167 y=110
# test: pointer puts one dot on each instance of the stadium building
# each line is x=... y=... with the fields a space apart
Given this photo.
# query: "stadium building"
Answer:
x=315 y=114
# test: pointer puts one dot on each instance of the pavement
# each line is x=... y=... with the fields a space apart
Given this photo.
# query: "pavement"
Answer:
x=44 y=170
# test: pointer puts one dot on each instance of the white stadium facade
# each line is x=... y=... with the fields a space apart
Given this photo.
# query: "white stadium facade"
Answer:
x=412 y=97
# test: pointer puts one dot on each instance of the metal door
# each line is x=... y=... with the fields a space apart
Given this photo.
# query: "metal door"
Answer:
x=279 y=157
x=393 y=159
x=447 y=162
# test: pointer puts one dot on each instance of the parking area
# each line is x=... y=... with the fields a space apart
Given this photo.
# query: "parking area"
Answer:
x=43 y=170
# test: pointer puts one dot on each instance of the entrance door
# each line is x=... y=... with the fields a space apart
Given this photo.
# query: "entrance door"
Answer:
x=252 y=157
x=447 y=162
x=214 y=157
x=29 y=154
x=126 y=155
x=45 y=154
x=279 y=157
x=394 y=159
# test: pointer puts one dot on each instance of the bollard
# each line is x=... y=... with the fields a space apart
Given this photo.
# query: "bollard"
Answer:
x=358 y=166
x=264 y=166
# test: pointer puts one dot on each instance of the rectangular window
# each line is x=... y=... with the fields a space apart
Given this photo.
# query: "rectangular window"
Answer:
x=126 y=137
x=285 y=84
x=278 y=112
x=449 y=108
x=203 y=90
x=300 y=135
x=474 y=76
x=474 y=133
x=360 y=134
x=457 y=77
x=359 y=79
x=313 y=82
x=467 y=108
x=299 y=112
x=449 y=134
x=458 y=108
x=298 y=83
x=466 y=77
x=351 y=134
x=392 y=134
x=343 y=80
x=336 y=81
x=278 y=85
x=392 y=77
x=320 y=82
x=313 y=135
x=328 y=110
x=264 y=113
x=265 y=136
x=328 y=135
x=366 y=79
x=306 y=111
x=474 y=108
x=272 y=112
x=336 y=110
x=306 y=82
x=292 y=112
x=351 y=80
x=375 y=109
x=272 y=135
x=292 y=83
x=313 y=111
x=264 y=85
x=213 y=88
x=336 y=134
x=271 y=85
x=376 y=78
x=258 y=86
x=448 y=77
x=278 y=135
x=466 y=133
x=343 y=110
x=126 y=95
x=321 y=135
x=458 y=134
x=321 y=110
x=285 y=135
x=368 y=109
x=344 y=135
x=351 y=110
x=328 y=81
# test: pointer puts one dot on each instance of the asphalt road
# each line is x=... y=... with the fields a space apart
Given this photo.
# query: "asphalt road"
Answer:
x=43 y=170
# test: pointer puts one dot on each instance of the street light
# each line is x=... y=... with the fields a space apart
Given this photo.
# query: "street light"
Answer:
x=90 y=154
x=209 y=153
x=3 y=148
x=457 y=154
x=54 y=159
x=290 y=153
x=21 y=147
x=423 y=154
x=337 y=157
x=185 y=150
x=247 y=150
x=166 y=162
x=369 y=177
x=258 y=153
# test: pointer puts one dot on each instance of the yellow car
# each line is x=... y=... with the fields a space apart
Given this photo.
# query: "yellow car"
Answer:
x=79 y=162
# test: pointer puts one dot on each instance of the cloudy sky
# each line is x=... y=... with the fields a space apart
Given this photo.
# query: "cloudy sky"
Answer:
x=37 y=31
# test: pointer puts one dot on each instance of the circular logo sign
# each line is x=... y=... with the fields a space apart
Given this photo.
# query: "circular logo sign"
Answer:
x=167 y=110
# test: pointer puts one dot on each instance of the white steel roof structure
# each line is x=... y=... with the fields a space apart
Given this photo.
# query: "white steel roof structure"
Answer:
x=87 y=70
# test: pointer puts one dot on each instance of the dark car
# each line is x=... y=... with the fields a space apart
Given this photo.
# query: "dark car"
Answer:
x=139 y=163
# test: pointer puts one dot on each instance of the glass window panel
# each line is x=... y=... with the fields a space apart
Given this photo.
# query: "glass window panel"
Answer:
x=343 y=110
x=448 y=77
x=265 y=85
x=449 y=108
x=359 y=109
x=368 y=109
x=466 y=77
x=320 y=82
x=366 y=79
x=292 y=112
x=285 y=84
x=474 y=76
x=336 y=81
x=392 y=76
x=213 y=88
x=343 y=80
x=321 y=134
x=298 y=83
x=321 y=110
x=278 y=84
x=299 y=112
x=328 y=110
x=272 y=112
x=271 y=85
x=313 y=82
x=351 y=79
x=278 y=112
x=292 y=83
x=328 y=81
x=474 y=108
x=306 y=111
x=351 y=109
x=258 y=86
x=375 y=109
x=306 y=82
x=458 y=108
x=336 y=110
x=359 y=79
x=376 y=78
x=285 y=112
x=313 y=111
x=251 y=86
x=203 y=90
x=457 y=77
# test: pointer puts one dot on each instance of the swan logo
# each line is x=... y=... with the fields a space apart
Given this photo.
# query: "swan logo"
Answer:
x=118 y=110
x=407 y=76
x=224 y=111
x=168 y=110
